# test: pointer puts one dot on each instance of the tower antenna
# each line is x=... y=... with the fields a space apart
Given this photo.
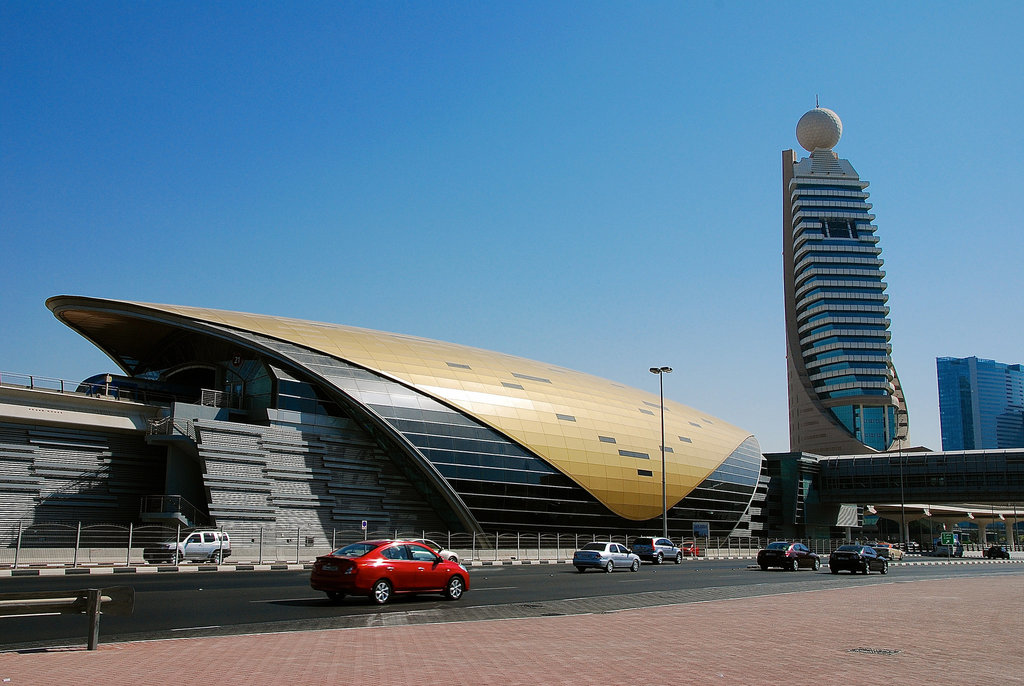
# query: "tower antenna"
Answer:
x=815 y=101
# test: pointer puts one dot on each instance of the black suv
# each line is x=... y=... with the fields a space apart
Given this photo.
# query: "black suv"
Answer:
x=656 y=549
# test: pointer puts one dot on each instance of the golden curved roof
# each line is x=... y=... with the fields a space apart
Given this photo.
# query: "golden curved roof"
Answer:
x=599 y=433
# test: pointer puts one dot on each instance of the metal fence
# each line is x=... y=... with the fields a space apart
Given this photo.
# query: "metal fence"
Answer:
x=77 y=544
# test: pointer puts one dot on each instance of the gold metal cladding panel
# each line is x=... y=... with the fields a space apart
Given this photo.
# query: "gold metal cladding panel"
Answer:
x=568 y=417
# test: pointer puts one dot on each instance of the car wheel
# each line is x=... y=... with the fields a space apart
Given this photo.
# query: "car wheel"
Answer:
x=610 y=567
x=764 y=568
x=455 y=588
x=581 y=569
x=867 y=568
x=833 y=569
x=815 y=564
x=635 y=566
x=659 y=558
x=454 y=558
x=381 y=592
x=336 y=596
x=679 y=557
x=885 y=568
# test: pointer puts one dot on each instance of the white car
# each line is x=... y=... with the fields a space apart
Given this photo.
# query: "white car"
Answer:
x=446 y=554
x=200 y=546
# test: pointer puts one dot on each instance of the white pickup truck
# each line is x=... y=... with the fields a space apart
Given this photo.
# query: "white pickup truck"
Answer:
x=199 y=546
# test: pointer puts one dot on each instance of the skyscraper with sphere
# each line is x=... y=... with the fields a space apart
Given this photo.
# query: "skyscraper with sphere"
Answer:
x=844 y=394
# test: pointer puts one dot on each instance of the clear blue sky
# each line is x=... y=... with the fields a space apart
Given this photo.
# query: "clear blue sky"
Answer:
x=594 y=185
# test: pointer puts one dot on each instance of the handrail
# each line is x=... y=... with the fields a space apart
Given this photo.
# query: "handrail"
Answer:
x=120 y=388
x=36 y=382
x=166 y=504
x=114 y=600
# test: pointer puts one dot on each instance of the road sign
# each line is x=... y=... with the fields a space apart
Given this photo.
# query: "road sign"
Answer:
x=363 y=525
x=947 y=538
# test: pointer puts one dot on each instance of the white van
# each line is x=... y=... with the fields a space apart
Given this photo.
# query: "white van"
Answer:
x=199 y=546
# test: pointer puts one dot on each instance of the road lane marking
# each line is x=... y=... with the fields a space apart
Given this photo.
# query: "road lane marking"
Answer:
x=196 y=628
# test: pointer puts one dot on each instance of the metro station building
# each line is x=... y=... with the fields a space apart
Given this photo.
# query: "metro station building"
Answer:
x=244 y=420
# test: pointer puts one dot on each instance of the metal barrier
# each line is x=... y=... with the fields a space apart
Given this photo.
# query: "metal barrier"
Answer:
x=78 y=544
x=115 y=600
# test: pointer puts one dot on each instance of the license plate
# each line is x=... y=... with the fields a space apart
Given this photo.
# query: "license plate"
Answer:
x=330 y=568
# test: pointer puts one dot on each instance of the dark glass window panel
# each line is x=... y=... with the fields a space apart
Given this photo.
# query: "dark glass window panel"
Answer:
x=631 y=453
x=527 y=377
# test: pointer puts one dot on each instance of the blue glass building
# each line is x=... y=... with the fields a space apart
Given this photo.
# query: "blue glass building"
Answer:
x=845 y=397
x=981 y=403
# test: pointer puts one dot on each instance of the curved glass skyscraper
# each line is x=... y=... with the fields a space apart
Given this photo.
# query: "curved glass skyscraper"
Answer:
x=844 y=395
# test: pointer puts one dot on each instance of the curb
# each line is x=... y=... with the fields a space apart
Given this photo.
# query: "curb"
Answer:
x=59 y=570
x=150 y=569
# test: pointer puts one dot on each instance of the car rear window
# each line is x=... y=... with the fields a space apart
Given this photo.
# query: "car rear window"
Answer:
x=849 y=548
x=778 y=545
x=354 y=550
x=643 y=541
x=594 y=546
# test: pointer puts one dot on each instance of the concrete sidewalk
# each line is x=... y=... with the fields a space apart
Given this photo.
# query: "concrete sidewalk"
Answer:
x=951 y=631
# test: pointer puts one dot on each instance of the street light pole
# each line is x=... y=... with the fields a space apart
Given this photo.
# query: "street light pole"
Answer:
x=661 y=372
x=904 y=534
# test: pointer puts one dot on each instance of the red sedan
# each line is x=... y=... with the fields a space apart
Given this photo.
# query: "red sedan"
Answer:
x=380 y=569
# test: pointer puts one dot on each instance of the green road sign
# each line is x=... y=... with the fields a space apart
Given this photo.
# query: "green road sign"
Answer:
x=946 y=538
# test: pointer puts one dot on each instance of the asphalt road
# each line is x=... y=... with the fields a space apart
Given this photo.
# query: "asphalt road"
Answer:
x=220 y=603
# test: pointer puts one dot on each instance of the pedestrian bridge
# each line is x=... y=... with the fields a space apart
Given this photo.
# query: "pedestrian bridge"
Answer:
x=979 y=477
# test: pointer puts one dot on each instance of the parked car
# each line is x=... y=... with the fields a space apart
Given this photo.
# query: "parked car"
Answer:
x=857 y=558
x=997 y=552
x=605 y=555
x=200 y=546
x=657 y=549
x=888 y=550
x=385 y=568
x=943 y=550
x=449 y=555
x=691 y=549
x=790 y=556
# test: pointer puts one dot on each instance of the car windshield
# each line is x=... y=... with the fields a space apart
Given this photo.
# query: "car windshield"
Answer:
x=849 y=548
x=354 y=550
x=594 y=546
x=778 y=545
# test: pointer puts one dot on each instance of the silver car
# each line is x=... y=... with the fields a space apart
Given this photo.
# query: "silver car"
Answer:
x=605 y=555
x=657 y=549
